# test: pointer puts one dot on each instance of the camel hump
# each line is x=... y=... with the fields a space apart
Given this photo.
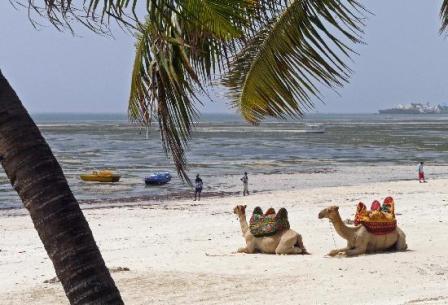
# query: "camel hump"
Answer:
x=257 y=211
x=266 y=225
x=282 y=214
x=379 y=220
x=269 y=211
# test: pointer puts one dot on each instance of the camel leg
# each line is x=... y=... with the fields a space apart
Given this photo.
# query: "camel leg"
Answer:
x=355 y=251
x=288 y=246
x=243 y=250
x=246 y=249
x=293 y=250
x=401 y=242
x=360 y=247
x=250 y=248
x=337 y=251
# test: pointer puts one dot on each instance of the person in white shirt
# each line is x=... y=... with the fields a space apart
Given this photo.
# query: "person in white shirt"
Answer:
x=421 y=173
x=245 y=180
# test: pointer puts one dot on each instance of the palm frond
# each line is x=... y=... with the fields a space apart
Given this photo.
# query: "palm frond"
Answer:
x=163 y=89
x=178 y=48
x=444 y=16
x=220 y=18
x=96 y=14
x=278 y=71
x=210 y=29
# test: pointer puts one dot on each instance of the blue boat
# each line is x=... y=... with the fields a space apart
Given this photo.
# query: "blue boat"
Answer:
x=158 y=178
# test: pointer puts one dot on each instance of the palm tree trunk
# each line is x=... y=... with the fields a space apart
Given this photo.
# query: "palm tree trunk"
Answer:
x=38 y=179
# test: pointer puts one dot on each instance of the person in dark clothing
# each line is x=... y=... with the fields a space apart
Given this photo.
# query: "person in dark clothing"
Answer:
x=198 y=188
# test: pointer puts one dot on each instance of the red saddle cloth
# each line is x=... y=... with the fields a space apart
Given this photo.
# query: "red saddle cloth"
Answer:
x=380 y=228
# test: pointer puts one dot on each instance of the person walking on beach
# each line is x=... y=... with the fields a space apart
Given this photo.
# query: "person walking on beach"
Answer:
x=421 y=173
x=245 y=180
x=198 y=188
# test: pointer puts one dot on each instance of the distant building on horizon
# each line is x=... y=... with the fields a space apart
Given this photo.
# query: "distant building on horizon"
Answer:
x=416 y=108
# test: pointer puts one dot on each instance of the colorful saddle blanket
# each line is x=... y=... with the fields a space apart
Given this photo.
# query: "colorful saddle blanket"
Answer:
x=380 y=219
x=269 y=223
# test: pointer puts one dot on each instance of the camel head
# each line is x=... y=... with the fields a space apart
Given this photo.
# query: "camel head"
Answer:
x=240 y=210
x=329 y=212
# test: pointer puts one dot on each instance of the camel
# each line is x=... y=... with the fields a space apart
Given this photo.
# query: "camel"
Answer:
x=284 y=242
x=359 y=240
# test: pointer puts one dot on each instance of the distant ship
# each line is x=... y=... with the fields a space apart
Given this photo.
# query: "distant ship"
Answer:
x=416 y=108
x=314 y=128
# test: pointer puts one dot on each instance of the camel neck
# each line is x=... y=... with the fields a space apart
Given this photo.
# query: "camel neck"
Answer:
x=243 y=223
x=343 y=230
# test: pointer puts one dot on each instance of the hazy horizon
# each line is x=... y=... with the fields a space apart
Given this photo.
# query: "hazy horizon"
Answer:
x=404 y=60
x=229 y=113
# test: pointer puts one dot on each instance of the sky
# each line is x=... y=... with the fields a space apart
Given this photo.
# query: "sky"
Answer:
x=404 y=60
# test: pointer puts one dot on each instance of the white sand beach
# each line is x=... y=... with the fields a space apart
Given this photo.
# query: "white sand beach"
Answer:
x=183 y=252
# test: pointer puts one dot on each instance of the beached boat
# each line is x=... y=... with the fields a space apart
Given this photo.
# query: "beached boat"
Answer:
x=158 y=178
x=314 y=128
x=100 y=176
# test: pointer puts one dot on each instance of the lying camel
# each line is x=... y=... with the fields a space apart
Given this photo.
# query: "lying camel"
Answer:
x=284 y=242
x=359 y=240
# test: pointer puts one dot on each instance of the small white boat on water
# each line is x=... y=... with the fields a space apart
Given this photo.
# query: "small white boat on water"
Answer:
x=314 y=128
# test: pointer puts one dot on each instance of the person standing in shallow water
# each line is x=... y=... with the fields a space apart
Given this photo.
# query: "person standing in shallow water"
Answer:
x=245 y=180
x=421 y=173
x=198 y=188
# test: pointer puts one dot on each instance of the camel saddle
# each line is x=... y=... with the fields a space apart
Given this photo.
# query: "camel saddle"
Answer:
x=269 y=223
x=379 y=220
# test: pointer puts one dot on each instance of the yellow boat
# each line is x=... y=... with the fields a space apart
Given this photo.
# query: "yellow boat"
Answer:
x=100 y=176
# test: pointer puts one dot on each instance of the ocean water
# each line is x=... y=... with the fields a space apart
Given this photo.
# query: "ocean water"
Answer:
x=223 y=145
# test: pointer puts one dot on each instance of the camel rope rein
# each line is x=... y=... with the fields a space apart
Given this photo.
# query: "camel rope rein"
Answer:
x=332 y=232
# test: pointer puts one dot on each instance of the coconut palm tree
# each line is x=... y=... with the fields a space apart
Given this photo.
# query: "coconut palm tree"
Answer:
x=274 y=55
x=38 y=179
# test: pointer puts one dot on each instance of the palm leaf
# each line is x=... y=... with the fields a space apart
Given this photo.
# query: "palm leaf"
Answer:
x=174 y=55
x=95 y=13
x=161 y=89
x=444 y=16
x=181 y=44
x=217 y=17
x=210 y=29
x=278 y=72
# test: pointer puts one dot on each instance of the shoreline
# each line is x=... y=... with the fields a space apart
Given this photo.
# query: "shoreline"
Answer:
x=230 y=185
x=183 y=251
